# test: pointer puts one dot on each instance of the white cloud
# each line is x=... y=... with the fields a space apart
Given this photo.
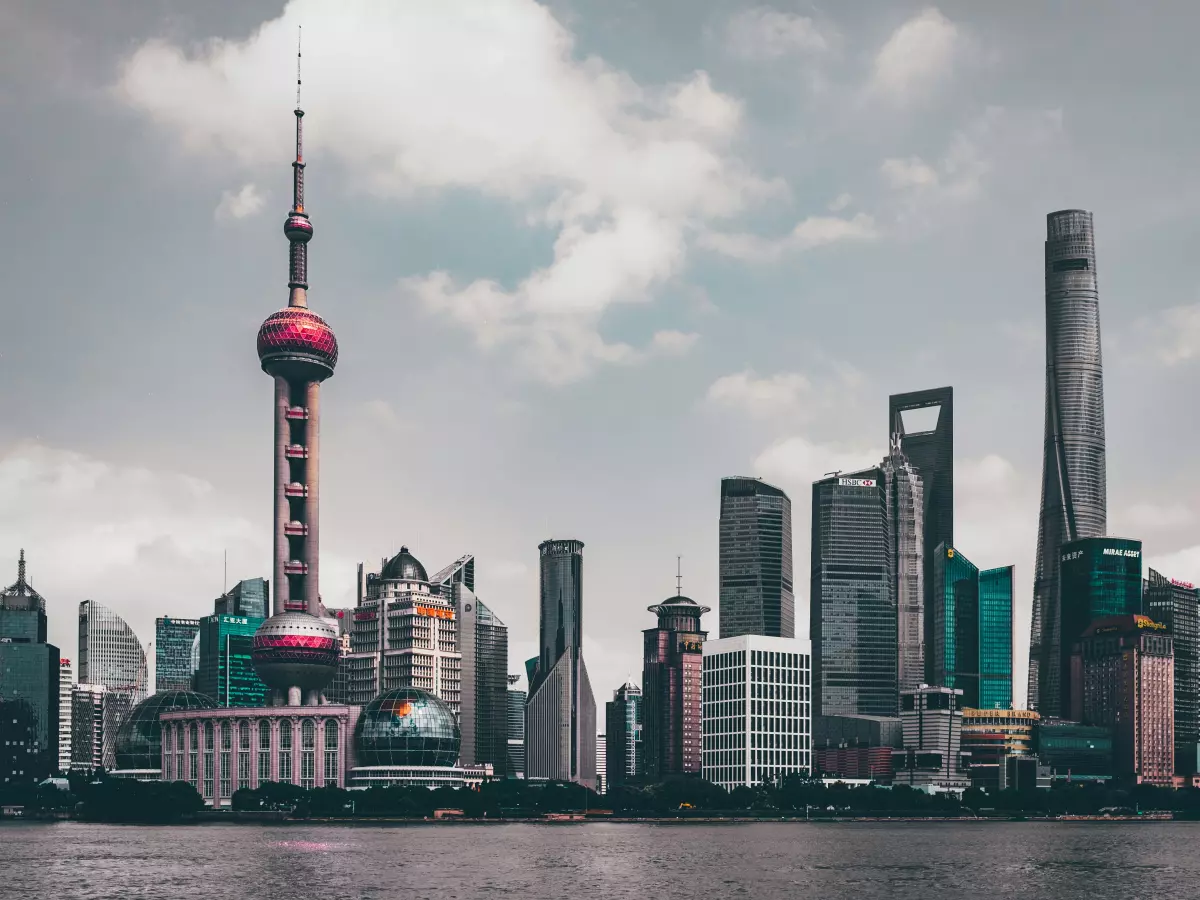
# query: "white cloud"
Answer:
x=246 y=201
x=840 y=202
x=490 y=97
x=918 y=55
x=674 y=343
x=765 y=33
x=796 y=462
x=908 y=173
x=761 y=397
x=1173 y=335
x=812 y=232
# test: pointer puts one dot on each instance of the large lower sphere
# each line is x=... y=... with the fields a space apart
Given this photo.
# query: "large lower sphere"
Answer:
x=407 y=727
x=294 y=649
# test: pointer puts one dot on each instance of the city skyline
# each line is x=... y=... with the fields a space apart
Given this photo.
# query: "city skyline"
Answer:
x=109 y=470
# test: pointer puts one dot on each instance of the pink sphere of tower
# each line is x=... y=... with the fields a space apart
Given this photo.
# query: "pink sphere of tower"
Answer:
x=295 y=336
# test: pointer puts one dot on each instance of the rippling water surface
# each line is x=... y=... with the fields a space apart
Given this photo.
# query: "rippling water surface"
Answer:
x=600 y=861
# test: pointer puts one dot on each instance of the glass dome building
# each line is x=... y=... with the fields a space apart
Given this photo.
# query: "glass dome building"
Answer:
x=409 y=737
x=139 y=739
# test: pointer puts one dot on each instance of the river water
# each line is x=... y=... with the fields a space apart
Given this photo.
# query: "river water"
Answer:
x=601 y=861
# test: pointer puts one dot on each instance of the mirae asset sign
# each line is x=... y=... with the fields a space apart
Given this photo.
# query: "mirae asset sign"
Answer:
x=856 y=482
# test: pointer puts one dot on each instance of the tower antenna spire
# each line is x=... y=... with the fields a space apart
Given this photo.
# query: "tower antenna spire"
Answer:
x=21 y=568
x=679 y=576
x=299 y=34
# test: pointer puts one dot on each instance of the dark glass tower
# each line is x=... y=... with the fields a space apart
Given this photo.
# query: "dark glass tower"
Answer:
x=953 y=632
x=1176 y=604
x=29 y=686
x=560 y=715
x=173 y=641
x=923 y=423
x=996 y=638
x=623 y=733
x=1074 y=493
x=852 y=604
x=755 y=560
x=672 y=666
x=483 y=644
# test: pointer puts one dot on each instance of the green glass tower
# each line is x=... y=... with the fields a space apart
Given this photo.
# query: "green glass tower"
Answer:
x=952 y=640
x=226 y=670
x=1098 y=577
x=996 y=638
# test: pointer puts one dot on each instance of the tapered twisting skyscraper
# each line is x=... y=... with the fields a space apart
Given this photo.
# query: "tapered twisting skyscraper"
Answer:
x=295 y=652
x=1073 y=469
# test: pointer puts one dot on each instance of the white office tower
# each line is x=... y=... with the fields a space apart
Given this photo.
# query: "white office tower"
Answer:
x=601 y=764
x=65 y=683
x=757 y=709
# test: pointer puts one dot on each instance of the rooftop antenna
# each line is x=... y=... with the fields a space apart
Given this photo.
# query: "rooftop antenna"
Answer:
x=225 y=575
x=299 y=34
x=21 y=569
x=678 y=576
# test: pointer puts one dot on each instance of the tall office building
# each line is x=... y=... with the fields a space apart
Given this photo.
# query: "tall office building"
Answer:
x=29 y=685
x=1125 y=680
x=405 y=635
x=924 y=423
x=757 y=710
x=601 y=764
x=623 y=730
x=250 y=597
x=96 y=717
x=110 y=653
x=904 y=493
x=755 y=560
x=1097 y=578
x=852 y=605
x=483 y=645
x=461 y=571
x=560 y=715
x=671 y=668
x=970 y=634
x=1074 y=489
x=173 y=641
x=995 y=638
x=66 y=683
x=516 y=729
x=226 y=673
x=1176 y=604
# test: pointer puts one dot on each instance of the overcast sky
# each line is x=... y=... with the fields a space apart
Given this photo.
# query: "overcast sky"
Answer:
x=583 y=260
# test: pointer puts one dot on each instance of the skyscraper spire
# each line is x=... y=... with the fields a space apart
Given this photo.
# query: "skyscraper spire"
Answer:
x=298 y=228
x=21 y=569
x=679 y=576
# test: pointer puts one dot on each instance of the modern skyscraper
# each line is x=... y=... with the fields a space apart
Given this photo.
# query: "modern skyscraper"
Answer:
x=405 y=635
x=1074 y=489
x=932 y=718
x=995 y=638
x=110 y=653
x=250 y=597
x=1097 y=578
x=483 y=645
x=755 y=560
x=671 y=682
x=461 y=571
x=757 y=720
x=852 y=605
x=295 y=651
x=1176 y=604
x=66 y=682
x=560 y=715
x=953 y=619
x=227 y=673
x=87 y=725
x=623 y=731
x=1125 y=680
x=904 y=494
x=970 y=632
x=924 y=423
x=173 y=640
x=516 y=729
x=29 y=685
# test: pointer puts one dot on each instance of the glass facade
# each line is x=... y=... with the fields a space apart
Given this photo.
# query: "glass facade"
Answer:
x=995 y=638
x=1176 y=604
x=1098 y=577
x=226 y=672
x=953 y=640
x=516 y=733
x=139 y=737
x=407 y=727
x=29 y=686
x=483 y=643
x=755 y=560
x=904 y=493
x=173 y=641
x=110 y=653
x=1074 y=751
x=922 y=422
x=671 y=672
x=1074 y=480
x=250 y=598
x=623 y=731
x=851 y=603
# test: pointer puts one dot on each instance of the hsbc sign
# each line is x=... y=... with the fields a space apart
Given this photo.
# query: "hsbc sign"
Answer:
x=856 y=482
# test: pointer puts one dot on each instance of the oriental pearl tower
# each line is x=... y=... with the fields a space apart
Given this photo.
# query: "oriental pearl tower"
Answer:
x=295 y=651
